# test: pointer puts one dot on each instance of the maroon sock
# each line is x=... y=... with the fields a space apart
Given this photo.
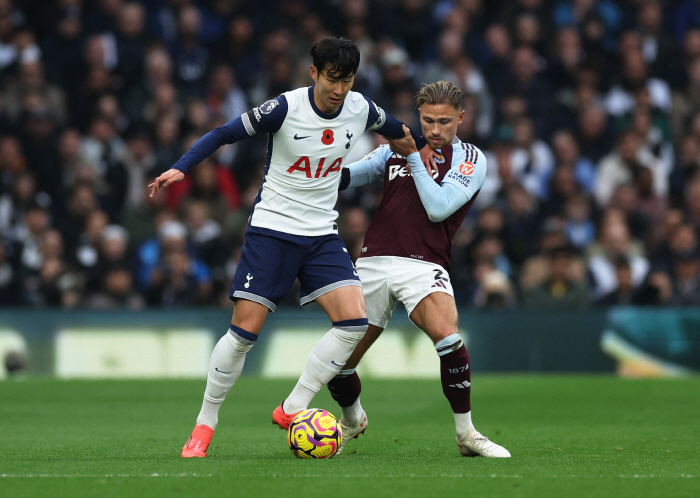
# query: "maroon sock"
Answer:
x=455 y=375
x=345 y=390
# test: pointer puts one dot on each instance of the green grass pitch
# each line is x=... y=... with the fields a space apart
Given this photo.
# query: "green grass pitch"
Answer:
x=570 y=436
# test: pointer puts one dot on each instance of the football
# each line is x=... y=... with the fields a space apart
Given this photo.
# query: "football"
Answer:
x=314 y=433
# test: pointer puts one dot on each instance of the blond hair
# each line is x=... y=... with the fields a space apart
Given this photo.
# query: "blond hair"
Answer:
x=440 y=92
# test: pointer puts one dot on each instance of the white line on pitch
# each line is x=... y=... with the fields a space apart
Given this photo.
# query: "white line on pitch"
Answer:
x=185 y=474
x=473 y=476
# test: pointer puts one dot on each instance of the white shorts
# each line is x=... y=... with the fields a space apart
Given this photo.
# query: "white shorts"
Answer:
x=388 y=279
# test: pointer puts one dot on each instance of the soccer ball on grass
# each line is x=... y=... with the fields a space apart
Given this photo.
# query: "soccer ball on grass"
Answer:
x=314 y=433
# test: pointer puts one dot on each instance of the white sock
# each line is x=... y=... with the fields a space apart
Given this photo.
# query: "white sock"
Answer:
x=326 y=359
x=225 y=367
x=352 y=415
x=463 y=424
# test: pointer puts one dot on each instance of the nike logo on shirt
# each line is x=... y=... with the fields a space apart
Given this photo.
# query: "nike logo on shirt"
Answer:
x=300 y=138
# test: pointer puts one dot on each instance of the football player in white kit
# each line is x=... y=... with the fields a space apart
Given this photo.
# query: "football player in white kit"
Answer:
x=406 y=255
x=292 y=231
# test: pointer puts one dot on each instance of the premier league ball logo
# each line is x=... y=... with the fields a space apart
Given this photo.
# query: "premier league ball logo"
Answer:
x=268 y=106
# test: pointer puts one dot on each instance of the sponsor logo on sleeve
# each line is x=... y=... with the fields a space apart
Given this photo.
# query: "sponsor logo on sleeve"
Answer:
x=256 y=113
x=458 y=176
x=380 y=118
x=368 y=156
x=268 y=106
x=466 y=168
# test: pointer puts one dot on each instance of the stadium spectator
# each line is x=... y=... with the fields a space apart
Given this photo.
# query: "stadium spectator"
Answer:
x=692 y=202
x=12 y=162
x=190 y=55
x=683 y=239
x=104 y=150
x=98 y=97
x=31 y=91
x=624 y=294
x=624 y=165
x=578 y=221
x=559 y=291
x=211 y=184
x=410 y=27
x=527 y=81
x=157 y=71
x=621 y=97
x=224 y=97
x=38 y=138
x=533 y=160
x=593 y=132
x=36 y=221
x=44 y=283
x=568 y=154
x=687 y=166
x=113 y=250
x=535 y=270
x=166 y=144
x=493 y=288
x=130 y=42
x=495 y=61
x=207 y=238
x=116 y=291
x=686 y=278
x=163 y=102
x=565 y=63
x=15 y=202
x=140 y=162
x=9 y=280
x=352 y=227
x=453 y=65
x=88 y=244
x=661 y=235
x=598 y=19
x=237 y=42
x=686 y=17
x=176 y=282
x=656 y=290
x=614 y=241
x=522 y=217
x=153 y=260
x=562 y=186
x=74 y=168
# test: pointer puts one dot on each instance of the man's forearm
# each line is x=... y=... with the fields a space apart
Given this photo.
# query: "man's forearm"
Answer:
x=439 y=201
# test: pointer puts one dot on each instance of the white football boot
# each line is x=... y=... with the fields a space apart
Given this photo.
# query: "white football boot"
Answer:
x=351 y=431
x=478 y=445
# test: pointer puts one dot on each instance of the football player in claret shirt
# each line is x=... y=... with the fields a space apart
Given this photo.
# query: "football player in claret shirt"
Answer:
x=292 y=231
x=406 y=255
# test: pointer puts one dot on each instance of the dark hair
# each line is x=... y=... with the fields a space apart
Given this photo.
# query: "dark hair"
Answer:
x=565 y=250
x=340 y=55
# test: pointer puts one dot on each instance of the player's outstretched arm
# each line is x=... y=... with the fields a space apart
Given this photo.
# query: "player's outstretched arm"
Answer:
x=366 y=170
x=405 y=144
x=166 y=179
x=391 y=128
x=267 y=118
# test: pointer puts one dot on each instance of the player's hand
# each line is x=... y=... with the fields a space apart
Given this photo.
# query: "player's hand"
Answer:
x=404 y=145
x=428 y=157
x=166 y=179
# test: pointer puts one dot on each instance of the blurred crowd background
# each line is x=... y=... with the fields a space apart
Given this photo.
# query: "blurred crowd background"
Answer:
x=588 y=111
